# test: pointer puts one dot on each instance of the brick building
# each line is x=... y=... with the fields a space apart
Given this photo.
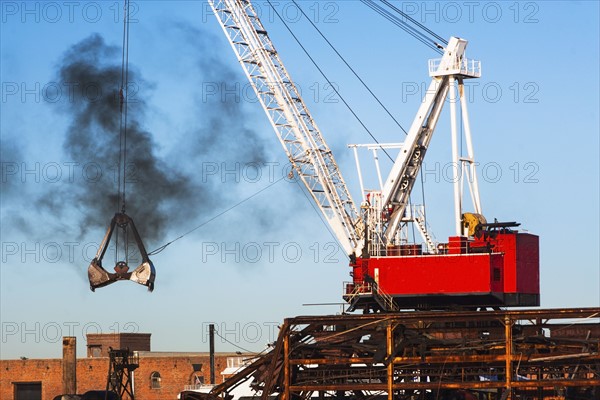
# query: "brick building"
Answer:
x=159 y=376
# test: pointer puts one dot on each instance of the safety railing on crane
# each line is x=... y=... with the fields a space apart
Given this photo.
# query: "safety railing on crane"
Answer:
x=354 y=290
x=462 y=66
x=376 y=216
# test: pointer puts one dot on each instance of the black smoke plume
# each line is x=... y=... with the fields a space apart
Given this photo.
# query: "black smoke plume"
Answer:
x=156 y=193
x=161 y=193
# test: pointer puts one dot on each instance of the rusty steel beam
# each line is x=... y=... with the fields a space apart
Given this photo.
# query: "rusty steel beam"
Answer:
x=396 y=386
x=508 y=328
x=271 y=376
x=389 y=337
x=412 y=316
x=443 y=385
x=498 y=359
x=287 y=381
x=558 y=383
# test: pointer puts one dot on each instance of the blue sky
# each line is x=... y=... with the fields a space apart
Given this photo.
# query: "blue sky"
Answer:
x=534 y=116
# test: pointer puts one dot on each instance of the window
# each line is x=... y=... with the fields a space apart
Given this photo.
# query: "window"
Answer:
x=197 y=379
x=95 y=351
x=155 y=380
x=235 y=362
x=28 y=391
x=197 y=367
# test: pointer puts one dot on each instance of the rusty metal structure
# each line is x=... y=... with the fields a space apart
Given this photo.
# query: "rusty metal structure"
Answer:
x=120 y=374
x=484 y=355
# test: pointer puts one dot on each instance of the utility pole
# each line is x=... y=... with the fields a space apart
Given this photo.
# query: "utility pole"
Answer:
x=211 y=338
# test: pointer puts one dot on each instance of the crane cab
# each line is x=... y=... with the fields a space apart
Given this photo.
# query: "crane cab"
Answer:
x=497 y=268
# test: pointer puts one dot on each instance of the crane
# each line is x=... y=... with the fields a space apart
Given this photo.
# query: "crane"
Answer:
x=484 y=264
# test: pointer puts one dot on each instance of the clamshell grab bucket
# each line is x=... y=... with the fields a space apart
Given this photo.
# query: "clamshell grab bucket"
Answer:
x=144 y=274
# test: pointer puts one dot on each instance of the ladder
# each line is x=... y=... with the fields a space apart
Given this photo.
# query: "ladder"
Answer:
x=419 y=218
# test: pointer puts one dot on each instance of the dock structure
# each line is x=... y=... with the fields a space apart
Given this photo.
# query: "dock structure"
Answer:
x=492 y=355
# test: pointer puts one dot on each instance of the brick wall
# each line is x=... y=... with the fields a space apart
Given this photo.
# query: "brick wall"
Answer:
x=49 y=373
x=175 y=373
x=176 y=370
x=103 y=342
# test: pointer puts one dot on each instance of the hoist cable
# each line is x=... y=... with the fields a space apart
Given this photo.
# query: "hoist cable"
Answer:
x=422 y=37
x=164 y=246
x=122 y=163
x=349 y=67
x=124 y=102
x=327 y=79
x=414 y=21
x=126 y=109
x=403 y=25
x=121 y=117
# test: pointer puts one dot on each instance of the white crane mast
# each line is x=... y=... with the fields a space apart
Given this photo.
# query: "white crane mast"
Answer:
x=299 y=135
x=452 y=68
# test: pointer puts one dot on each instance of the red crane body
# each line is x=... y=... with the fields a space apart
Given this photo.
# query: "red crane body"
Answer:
x=501 y=269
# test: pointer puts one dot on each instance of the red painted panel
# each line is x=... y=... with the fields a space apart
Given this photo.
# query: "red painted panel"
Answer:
x=528 y=263
x=511 y=267
x=507 y=244
x=521 y=265
x=443 y=274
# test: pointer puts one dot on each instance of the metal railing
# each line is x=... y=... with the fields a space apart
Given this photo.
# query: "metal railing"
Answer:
x=357 y=289
x=200 y=387
x=373 y=289
x=386 y=299
x=463 y=66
